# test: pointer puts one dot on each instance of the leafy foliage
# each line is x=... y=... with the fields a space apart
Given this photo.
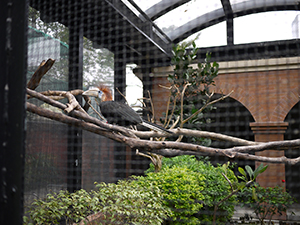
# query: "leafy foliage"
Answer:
x=196 y=185
x=125 y=201
x=131 y=203
x=190 y=88
x=61 y=206
x=266 y=201
x=182 y=192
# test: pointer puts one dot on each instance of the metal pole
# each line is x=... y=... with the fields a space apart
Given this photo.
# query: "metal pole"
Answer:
x=75 y=82
x=120 y=83
x=13 y=65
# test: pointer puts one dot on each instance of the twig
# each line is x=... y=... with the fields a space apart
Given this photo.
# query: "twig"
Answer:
x=155 y=159
x=168 y=105
x=122 y=95
x=181 y=104
x=205 y=106
x=228 y=181
x=227 y=197
x=181 y=110
x=89 y=103
x=174 y=105
x=152 y=107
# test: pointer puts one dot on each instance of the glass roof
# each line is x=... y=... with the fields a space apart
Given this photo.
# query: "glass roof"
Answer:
x=186 y=13
x=253 y=20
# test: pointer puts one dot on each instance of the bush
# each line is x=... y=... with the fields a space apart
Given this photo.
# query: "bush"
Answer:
x=61 y=206
x=182 y=191
x=131 y=203
x=125 y=202
x=191 y=188
x=266 y=201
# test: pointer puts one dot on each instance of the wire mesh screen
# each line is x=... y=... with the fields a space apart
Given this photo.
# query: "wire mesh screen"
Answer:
x=162 y=113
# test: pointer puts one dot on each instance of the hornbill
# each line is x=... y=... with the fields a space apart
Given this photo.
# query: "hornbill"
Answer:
x=118 y=112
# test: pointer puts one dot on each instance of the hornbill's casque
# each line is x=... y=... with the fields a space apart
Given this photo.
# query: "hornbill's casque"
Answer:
x=117 y=112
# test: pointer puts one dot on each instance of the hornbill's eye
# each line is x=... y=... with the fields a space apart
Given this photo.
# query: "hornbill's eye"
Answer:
x=100 y=93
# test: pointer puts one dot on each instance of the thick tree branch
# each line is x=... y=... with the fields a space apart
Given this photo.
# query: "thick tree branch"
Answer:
x=43 y=68
x=78 y=114
x=196 y=133
x=161 y=147
x=79 y=118
x=73 y=122
x=169 y=148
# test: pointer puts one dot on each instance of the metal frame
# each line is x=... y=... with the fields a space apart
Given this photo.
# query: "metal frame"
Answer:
x=226 y=12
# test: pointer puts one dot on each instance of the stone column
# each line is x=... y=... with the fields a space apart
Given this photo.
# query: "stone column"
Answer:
x=265 y=132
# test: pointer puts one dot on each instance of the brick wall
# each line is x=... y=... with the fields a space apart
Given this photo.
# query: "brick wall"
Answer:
x=267 y=88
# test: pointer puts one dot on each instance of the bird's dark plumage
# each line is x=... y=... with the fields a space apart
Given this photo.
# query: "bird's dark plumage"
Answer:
x=119 y=113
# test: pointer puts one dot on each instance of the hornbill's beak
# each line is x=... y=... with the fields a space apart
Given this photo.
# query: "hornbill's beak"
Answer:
x=92 y=92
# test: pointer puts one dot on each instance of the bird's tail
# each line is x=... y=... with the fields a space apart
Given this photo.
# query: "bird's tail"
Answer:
x=155 y=127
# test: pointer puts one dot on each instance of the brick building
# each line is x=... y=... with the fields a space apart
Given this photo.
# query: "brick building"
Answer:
x=268 y=89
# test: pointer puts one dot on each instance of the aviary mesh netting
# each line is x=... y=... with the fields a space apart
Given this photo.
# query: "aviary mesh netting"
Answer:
x=225 y=100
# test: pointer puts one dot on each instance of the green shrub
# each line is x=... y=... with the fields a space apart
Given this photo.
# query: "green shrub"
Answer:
x=266 y=201
x=131 y=203
x=125 y=201
x=192 y=187
x=61 y=206
x=181 y=189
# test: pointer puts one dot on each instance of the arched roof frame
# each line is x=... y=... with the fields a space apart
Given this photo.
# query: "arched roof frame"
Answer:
x=226 y=13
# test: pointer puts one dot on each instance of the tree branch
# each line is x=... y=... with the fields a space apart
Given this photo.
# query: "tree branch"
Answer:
x=73 y=122
x=166 y=148
x=77 y=114
x=43 y=68
x=79 y=118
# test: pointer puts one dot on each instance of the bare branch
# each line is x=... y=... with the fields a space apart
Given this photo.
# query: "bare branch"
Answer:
x=73 y=121
x=78 y=114
x=43 y=68
x=197 y=133
x=208 y=151
x=122 y=95
x=181 y=104
x=55 y=95
x=207 y=104
x=89 y=103
x=161 y=147
x=229 y=182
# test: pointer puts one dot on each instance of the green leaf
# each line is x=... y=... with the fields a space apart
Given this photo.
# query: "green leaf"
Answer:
x=242 y=178
x=241 y=185
x=254 y=196
x=260 y=169
x=194 y=44
x=263 y=169
x=249 y=171
x=242 y=171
